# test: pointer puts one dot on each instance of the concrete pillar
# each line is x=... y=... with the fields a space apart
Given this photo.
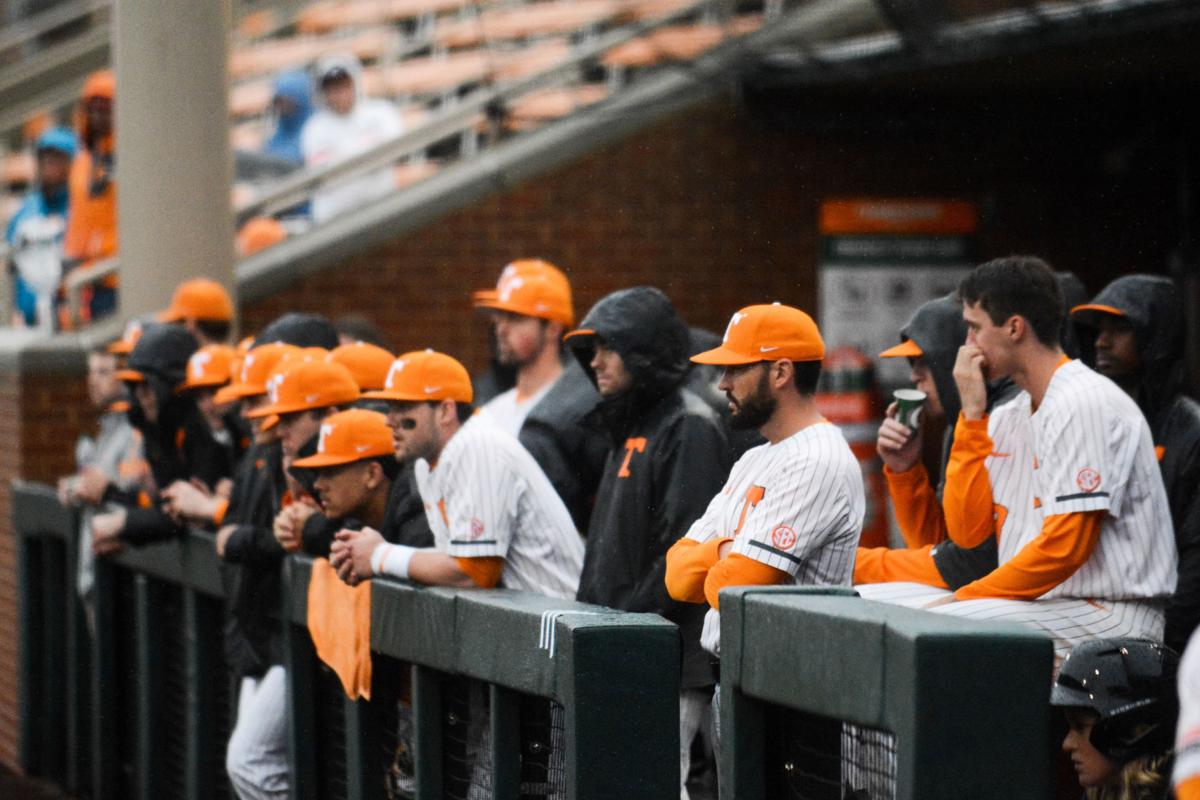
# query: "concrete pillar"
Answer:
x=174 y=163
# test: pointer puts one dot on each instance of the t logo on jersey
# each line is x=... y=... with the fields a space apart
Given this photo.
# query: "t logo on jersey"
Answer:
x=734 y=320
x=632 y=444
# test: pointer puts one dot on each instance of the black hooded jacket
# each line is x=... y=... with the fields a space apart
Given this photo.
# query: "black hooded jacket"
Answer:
x=1151 y=304
x=250 y=567
x=179 y=445
x=668 y=457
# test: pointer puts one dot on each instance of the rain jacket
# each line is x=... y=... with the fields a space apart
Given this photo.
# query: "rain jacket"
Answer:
x=285 y=141
x=668 y=456
x=571 y=455
x=1152 y=305
x=250 y=568
x=92 y=227
x=328 y=138
x=35 y=235
x=179 y=444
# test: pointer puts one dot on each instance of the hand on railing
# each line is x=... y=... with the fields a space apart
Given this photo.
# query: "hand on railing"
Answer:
x=106 y=532
x=192 y=501
x=351 y=553
x=289 y=525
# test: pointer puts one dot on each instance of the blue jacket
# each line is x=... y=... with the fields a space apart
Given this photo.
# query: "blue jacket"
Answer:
x=285 y=141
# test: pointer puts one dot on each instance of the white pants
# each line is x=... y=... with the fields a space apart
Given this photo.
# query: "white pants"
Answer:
x=1067 y=621
x=257 y=758
x=694 y=706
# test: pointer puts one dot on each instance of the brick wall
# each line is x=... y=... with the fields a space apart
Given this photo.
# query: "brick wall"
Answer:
x=720 y=211
x=716 y=207
x=41 y=415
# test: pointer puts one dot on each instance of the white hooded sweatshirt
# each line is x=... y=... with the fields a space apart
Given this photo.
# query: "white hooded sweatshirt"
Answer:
x=329 y=137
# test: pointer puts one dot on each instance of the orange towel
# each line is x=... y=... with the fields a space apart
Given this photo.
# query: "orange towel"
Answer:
x=339 y=621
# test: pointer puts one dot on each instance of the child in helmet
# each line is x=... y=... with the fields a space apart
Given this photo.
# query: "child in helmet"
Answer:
x=1119 y=699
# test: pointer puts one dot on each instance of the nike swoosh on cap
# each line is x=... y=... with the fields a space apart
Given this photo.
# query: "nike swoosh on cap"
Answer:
x=767 y=349
x=431 y=389
x=362 y=447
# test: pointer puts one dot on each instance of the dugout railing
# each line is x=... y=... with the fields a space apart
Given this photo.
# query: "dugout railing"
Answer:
x=826 y=696
x=530 y=691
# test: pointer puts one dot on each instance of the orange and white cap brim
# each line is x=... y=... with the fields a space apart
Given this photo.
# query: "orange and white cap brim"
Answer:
x=906 y=349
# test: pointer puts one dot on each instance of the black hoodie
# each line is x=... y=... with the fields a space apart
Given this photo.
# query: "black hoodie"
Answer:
x=668 y=457
x=1152 y=305
x=179 y=445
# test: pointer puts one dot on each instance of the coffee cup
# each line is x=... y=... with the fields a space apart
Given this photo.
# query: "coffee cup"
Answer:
x=909 y=405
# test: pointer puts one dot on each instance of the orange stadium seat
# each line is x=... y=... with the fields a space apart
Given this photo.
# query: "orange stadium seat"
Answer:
x=525 y=21
x=676 y=43
x=325 y=16
x=277 y=55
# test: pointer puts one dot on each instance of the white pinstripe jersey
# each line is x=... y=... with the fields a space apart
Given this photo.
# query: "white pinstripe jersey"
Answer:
x=796 y=505
x=1087 y=448
x=1187 y=731
x=496 y=501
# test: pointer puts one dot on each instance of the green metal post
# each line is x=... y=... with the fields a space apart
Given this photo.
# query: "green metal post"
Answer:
x=505 y=721
x=427 y=732
x=302 y=748
x=148 y=655
x=54 y=655
x=32 y=629
x=107 y=716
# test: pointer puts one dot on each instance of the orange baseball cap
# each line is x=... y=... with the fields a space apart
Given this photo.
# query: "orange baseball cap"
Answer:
x=301 y=385
x=531 y=287
x=129 y=338
x=209 y=366
x=199 y=299
x=257 y=366
x=368 y=363
x=425 y=375
x=130 y=376
x=259 y=233
x=766 y=333
x=1100 y=307
x=906 y=349
x=350 y=436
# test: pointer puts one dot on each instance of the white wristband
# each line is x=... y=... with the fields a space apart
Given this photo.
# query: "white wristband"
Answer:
x=392 y=559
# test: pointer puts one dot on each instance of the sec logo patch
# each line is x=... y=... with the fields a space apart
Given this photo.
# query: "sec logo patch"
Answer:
x=476 y=527
x=1088 y=479
x=783 y=537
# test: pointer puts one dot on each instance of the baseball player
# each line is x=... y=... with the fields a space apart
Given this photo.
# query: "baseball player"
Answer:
x=1068 y=467
x=531 y=309
x=668 y=455
x=1132 y=333
x=1118 y=696
x=1186 y=775
x=792 y=509
x=495 y=518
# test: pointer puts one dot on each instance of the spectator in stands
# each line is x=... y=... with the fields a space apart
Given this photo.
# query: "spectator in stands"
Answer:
x=114 y=463
x=346 y=124
x=496 y=520
x=1119 y=699
x=1132 y=332
x=531 y=307
x=292 y=104
x=179 y=446
x=92 y=223
x=35 y=233
x=668 y=457
x=204 y=307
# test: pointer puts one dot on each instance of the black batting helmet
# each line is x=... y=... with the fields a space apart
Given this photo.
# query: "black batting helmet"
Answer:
x=1130 y=684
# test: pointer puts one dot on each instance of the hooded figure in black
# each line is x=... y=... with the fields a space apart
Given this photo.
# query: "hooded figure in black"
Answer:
x=251 y=555
x=1151 y=370
x=668 y=456
x=178 y=444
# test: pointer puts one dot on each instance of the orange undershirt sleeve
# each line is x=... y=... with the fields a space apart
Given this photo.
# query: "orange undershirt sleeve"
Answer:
x=738 y=570
x=484 y=570
x=219 y=512
x=967 y=496
x=1189 y=789
x=918 y=512
x=1064 y=545
x=885 y=565
x=688 y=563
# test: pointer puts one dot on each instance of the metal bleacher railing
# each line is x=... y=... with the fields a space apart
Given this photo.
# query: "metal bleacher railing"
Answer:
x=824 y=696
x=143 y=710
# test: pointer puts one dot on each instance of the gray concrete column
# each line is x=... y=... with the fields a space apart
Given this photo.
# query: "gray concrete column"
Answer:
x=174 y=164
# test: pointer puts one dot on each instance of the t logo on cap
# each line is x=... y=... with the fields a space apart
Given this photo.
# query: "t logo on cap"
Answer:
x=326 y=430
x=737 y=317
